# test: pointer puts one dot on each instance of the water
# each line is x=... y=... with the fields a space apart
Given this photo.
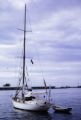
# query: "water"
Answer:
x=65 y=97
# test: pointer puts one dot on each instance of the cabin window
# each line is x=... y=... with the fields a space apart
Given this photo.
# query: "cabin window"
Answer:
x=29 y=98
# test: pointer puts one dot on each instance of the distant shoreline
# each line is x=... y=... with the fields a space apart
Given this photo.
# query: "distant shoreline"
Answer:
x=38 y=87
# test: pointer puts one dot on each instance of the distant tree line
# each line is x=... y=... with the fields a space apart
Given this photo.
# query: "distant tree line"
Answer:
x=7 y=85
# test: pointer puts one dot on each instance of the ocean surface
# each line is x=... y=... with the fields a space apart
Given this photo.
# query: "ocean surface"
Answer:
x=65 y=97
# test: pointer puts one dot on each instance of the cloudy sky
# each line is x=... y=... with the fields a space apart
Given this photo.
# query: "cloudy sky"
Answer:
x=54 y=43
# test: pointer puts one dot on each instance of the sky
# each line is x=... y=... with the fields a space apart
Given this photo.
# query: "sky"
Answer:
x=54 y=43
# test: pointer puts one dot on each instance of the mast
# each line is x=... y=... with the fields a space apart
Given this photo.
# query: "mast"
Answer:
x=24 y=53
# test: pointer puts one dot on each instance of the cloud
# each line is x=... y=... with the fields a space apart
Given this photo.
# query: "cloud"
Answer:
x=19 y=4
x=59 y=30
x=55 y=40
x=55 y=73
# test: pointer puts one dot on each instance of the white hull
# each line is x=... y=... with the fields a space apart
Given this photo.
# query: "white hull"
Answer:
x=34 y=105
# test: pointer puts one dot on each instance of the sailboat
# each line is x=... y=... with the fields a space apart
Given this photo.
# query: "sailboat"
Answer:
x=24 y=98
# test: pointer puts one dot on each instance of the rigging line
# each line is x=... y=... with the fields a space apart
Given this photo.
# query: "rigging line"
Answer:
x=42 y=72
x=40 y=63
x=20 y=69
x=35 y=46
x=27 y=72
x=17 y=92
x=27 y=76
x=29 y=18
x=19 y=85
x=20 y=77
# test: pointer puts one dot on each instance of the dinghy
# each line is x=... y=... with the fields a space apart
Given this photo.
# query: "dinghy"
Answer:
x=62 y=109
